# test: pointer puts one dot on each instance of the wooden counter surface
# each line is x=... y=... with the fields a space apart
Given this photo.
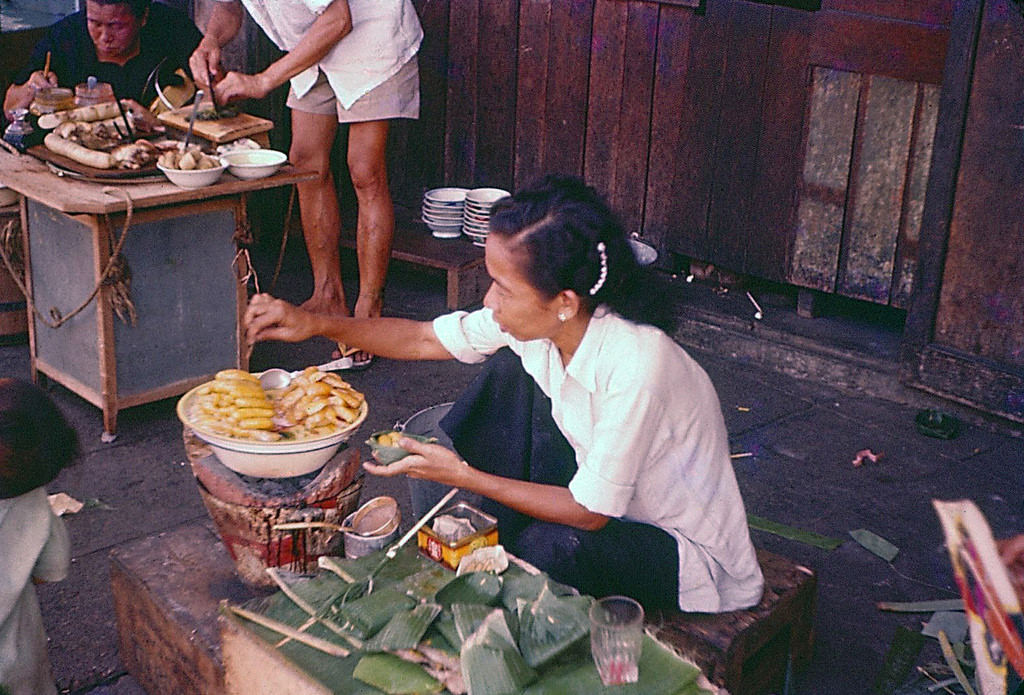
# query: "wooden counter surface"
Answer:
x=33 y=179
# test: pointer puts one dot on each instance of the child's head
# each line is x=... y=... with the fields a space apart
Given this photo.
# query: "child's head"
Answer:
x=36 y=441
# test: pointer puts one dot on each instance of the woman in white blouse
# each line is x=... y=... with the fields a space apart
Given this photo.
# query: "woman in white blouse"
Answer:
x=615 y=477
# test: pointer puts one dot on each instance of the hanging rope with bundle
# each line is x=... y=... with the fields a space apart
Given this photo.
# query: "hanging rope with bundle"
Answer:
x=116 y=274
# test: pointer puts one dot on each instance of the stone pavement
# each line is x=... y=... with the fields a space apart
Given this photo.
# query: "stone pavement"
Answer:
x=801 y=433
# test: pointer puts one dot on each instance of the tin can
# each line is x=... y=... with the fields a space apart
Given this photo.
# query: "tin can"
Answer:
x=449 y=553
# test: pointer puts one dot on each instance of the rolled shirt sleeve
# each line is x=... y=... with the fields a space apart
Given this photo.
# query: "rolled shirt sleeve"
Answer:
x=471 y=337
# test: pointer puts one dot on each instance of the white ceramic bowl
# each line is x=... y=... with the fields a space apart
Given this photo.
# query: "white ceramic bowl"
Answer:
x=254 y=164
x=192 y=178
x=455 y=215
x=282 y=459
x=449 y=195
x=485 y=197
x=446 y=228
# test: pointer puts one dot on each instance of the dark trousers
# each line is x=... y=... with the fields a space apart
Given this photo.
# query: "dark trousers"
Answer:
x=502 y=424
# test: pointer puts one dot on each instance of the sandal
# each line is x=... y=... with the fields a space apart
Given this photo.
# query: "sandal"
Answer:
x=349 y=359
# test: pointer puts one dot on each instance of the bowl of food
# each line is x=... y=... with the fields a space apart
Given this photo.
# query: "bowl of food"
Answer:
x=190 y=169
x=277 y=433
x=254 y=164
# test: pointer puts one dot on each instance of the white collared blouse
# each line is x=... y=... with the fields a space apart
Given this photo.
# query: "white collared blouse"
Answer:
x=650 y=440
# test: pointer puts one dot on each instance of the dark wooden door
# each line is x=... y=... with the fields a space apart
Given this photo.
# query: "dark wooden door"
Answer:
x=794 y=145
x=965 y=328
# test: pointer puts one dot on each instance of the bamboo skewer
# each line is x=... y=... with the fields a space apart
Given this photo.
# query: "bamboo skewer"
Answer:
x=288 y=631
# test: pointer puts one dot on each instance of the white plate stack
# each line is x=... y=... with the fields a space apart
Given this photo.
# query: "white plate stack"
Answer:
x=476 y=214
x=442 y=211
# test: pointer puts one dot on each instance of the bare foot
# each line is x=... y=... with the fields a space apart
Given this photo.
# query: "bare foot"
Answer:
x=326 y=304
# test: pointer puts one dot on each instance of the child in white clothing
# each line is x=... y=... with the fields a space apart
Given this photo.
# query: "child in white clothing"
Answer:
x=36 y=442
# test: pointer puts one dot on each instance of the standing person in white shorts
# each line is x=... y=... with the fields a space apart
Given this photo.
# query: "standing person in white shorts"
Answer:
x=348 y=61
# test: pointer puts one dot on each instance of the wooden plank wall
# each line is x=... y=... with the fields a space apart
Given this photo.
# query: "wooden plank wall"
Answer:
x=781 y=143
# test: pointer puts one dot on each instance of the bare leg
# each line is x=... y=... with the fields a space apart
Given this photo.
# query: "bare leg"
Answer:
x=375 y=226
x=312 y=140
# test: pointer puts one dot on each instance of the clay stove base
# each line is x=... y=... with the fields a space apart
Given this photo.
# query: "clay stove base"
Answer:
x=166 y=591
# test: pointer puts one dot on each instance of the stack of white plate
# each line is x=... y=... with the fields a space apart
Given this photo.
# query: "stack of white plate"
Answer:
x=442 y=211
x=476 y=214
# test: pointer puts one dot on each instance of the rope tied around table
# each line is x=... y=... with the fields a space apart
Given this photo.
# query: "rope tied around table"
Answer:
x=116 y=274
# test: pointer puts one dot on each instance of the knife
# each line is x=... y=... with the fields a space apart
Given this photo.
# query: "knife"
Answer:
x=192 y=119
x=213 y=96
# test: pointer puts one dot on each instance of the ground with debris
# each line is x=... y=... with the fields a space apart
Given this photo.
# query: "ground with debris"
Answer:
x=809 y=456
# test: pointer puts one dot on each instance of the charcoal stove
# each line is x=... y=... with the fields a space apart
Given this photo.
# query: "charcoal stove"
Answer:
x=245 y=511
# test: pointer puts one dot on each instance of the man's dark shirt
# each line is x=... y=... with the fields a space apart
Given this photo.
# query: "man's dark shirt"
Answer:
x=168 y=32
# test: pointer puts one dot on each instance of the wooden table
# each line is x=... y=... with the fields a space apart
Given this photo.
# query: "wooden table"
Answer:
x=187 y=287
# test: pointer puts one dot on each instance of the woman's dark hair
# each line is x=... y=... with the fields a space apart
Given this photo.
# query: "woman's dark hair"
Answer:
x=36 y=441
x=569 y=239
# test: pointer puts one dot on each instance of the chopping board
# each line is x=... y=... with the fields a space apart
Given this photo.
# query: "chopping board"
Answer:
x=70 y=166
x=222 y=130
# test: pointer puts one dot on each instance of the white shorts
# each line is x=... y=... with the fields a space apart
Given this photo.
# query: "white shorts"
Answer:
x=396 y=97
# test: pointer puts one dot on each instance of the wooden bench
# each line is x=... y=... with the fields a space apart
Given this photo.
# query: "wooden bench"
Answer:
x=462 y=262
x=755 y=651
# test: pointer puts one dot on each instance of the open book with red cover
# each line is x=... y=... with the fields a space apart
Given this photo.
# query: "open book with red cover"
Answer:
x=993 y=611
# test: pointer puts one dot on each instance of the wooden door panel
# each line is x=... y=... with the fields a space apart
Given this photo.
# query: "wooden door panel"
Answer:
x=619 y=109
x=877 y=46
x=981 y=306
x=497 y=74
x=732 y=221
x=882 y=152
x=463 y=79
x=481 y=76
x=552 y=119
x=531 y=83
x=925 y=120
x=691 y=51
x=826 y=173
x=778 y=166
x=938 y=12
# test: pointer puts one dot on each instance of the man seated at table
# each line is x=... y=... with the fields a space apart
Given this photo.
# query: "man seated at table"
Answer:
x=120 y=42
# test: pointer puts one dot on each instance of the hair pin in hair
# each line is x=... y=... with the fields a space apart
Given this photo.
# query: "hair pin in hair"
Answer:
x=604 y=269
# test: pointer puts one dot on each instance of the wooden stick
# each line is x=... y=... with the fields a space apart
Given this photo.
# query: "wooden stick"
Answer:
x=46 y=65
x=288 y=631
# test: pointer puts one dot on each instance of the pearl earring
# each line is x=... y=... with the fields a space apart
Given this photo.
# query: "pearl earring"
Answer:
x=562 y=317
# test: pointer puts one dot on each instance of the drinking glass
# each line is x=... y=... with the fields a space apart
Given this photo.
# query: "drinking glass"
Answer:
x=616 y=638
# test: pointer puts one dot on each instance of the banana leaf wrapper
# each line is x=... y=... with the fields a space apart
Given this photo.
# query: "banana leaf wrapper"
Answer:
x=365 y=616
x=395 y=676
x=405 y=629
x=474 y=587
x=491 y=662
x=551 y=625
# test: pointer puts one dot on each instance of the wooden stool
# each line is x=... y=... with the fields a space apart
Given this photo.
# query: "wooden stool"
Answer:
x=462 y=262
x=750 y=652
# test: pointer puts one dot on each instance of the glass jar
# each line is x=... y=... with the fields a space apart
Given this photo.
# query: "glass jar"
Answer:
x=97 y=93
x=51 y=100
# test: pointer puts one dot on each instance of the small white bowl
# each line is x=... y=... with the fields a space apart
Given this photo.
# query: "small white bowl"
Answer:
x=254 y=164
x=485 y=197
x=449 y=195
x=192 y=178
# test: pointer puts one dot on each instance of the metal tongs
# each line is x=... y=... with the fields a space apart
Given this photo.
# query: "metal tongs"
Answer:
x=192 y=120
x=129 y=133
